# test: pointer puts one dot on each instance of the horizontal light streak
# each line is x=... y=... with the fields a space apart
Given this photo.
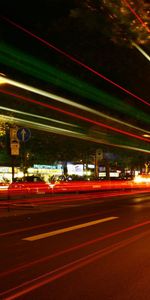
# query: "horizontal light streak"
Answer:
x=146 y=135
x=45 y=72
x=69 y=133
x=41 y=126
x=119 y=145
x=36 y=116
x=2 y=81
x=35 y=67
x=70 y=57
x=69 y=102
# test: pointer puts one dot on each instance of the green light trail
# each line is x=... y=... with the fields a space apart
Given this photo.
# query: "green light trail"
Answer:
x=69 y=102
x=34 y=67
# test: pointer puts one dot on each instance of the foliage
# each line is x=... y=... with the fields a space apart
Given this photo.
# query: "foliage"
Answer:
x=128 y=19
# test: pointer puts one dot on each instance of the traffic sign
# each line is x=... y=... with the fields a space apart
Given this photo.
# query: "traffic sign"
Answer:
x=14 y=148
x=13 y=133
x=23 y=134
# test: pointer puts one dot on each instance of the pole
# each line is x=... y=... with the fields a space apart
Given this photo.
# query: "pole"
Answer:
x=96 y=166
x=13 y=168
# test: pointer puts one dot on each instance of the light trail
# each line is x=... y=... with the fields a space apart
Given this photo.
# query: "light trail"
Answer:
x=36 y=116
x=34 y=67
x=74 y=60
x=137 y=16
x=141 y=50
x=41 y=126
x=64 y=100
x=69 y=133
x=119 y=145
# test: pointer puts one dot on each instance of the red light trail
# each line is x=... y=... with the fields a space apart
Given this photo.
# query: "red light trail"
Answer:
x=76 y=116
x=74 y=60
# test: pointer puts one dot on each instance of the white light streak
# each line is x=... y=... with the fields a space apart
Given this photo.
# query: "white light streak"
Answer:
x=146 y=135
x=37 y=116
x=66 y=132
x=141 y=50
x=40 y=126
x=68 y=102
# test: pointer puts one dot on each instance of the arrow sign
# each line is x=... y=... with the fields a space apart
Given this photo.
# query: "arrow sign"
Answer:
x=23 y=134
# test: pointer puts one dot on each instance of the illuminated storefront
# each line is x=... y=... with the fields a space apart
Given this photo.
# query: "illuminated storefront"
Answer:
x=46 y=171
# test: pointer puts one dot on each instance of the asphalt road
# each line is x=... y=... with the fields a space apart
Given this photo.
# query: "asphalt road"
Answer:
x=83 y=247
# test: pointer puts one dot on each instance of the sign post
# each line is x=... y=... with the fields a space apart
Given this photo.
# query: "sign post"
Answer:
x=14 y=146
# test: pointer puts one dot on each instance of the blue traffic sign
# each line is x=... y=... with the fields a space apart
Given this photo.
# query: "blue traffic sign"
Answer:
x=23 y=134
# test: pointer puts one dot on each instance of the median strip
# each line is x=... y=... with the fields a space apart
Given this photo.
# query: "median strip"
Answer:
x=67 y=229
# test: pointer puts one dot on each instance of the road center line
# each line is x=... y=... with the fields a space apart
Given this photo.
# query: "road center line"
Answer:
x=67 y=229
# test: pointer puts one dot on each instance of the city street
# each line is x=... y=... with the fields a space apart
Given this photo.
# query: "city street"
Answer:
x=77 y=246
x=75 y=150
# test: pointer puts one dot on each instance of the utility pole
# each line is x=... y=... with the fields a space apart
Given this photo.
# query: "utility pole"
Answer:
x=98 y=157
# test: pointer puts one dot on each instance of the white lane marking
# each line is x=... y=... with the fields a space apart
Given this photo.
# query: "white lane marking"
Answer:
x=67 y=229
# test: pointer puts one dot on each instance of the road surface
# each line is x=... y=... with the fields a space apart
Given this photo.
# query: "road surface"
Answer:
x=91 y=248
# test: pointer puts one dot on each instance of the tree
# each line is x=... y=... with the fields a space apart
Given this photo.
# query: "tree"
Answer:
x=5 y=158
x=127 y=20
